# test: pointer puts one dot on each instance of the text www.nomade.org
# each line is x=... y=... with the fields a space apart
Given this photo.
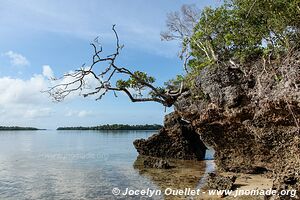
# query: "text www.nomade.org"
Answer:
x=269 y=192
x=196 y=192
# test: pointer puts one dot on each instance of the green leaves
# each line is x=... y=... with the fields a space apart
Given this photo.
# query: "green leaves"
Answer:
x=136 y=81
x=122 y=84
x=243 y=30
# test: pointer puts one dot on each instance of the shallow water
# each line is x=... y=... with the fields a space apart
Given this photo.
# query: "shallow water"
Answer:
x=84 y=165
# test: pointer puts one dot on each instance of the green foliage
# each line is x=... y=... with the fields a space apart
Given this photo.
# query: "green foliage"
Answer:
x=17 y=128
x=137 y=81
x=274 y=21
x=175 y=83
x=237 y=32
x=160 y=90
x=243 y=30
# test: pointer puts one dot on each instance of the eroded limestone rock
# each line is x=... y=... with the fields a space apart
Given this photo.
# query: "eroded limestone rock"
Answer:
x=176 y=140
x=250 y=118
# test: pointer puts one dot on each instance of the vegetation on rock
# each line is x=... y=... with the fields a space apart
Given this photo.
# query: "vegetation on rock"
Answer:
x=240 y=93
x=235 y=33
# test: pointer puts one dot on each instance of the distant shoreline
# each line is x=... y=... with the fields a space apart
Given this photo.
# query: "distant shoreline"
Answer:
x=117 y=127
x=18 y=128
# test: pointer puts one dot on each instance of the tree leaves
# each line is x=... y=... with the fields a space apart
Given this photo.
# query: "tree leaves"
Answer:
x=245 y=29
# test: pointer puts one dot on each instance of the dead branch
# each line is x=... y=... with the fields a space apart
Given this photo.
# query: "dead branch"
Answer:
x=76 y=81
x=180 y=26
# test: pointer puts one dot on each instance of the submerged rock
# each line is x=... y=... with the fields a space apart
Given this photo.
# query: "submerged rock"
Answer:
x=219 y=182
x=176 y=140
x=183 y=174
x=158 y=163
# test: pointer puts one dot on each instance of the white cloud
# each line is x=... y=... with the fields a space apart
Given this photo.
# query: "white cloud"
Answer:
x=78 y=113
x=17 y=59
x=23 y=98
x=24 y=112
x=19 y=91
x=72 y=82
x=78 y=20
x=47 y=71
x=38 y=112
x=23 y=103
x=84 y=113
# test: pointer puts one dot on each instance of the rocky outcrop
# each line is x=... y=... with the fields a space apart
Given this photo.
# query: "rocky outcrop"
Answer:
x=250 y=116
x=176 y=140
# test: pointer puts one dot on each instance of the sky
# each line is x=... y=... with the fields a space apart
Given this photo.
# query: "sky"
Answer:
x=40 y=39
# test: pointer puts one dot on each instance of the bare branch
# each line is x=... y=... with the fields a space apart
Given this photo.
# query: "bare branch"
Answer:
x=180 y=26
x=105 y=79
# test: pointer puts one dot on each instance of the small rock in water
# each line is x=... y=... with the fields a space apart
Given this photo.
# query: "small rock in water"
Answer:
x=159 y=163
x=219 y=182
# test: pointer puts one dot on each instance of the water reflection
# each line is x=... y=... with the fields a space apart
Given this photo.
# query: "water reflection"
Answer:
x=83 y=165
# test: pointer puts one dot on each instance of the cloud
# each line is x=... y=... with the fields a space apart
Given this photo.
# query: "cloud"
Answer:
x=18 y=91
x=24 y=112
x=47 y=71
x=38 y=112
x=17 y=59
x=72 y=81
x=84 y=113
x=23 y=103
x=83 y=21
x=80 y=113
x=23 y=98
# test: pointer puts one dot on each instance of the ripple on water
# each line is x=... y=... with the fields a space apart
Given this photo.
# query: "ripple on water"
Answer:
x=85 y=165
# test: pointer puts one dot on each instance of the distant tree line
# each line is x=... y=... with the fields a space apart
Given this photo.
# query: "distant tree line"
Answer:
x=17 y=128
x=115 y=127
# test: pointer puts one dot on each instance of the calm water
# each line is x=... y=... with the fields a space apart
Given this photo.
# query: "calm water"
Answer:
x=83 y=165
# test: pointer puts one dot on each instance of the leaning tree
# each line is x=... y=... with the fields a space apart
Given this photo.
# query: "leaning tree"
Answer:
x=109 y=77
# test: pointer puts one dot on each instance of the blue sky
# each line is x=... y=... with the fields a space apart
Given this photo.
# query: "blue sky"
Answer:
x=40 y=37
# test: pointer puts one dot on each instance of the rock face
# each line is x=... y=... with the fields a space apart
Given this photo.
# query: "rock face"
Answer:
x=250 y=116
x=176 y=140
